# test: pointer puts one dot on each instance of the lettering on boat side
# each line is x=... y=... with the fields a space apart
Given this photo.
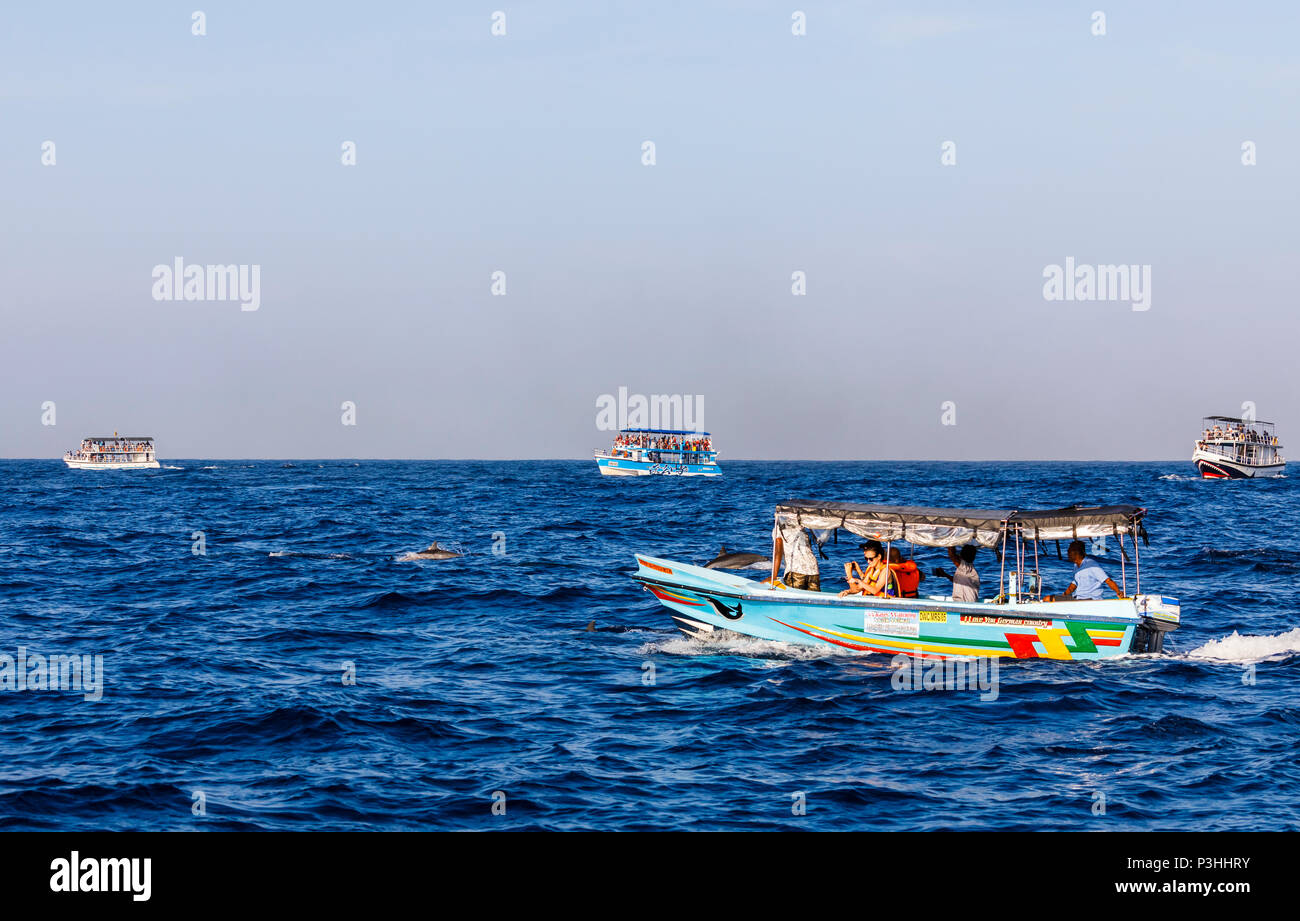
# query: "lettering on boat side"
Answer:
x=934 y=617
x=891 y=623
x=665 y=469
x=1005 y=621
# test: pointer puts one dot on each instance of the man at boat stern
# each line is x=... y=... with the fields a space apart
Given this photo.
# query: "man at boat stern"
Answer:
x=1089 y=577
x=790 y=542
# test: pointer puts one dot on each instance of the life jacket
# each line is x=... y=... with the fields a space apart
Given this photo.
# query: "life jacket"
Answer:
x=872 y=573
x=908 y=576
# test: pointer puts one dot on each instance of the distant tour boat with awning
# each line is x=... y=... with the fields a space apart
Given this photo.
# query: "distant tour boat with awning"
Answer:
x=1233 y=449
x=113 y=452
x=659 y=452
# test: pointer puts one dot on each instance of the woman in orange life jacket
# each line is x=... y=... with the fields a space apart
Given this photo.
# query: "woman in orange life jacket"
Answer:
x=906 y=576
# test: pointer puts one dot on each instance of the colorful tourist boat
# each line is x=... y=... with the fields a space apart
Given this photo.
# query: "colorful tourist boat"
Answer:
x=116 y=452
x=1233 y=449
x=1018 y=623
x=659 y=452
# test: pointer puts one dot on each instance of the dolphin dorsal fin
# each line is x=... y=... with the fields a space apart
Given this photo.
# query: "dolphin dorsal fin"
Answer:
x=724 y=550
x=433 y=546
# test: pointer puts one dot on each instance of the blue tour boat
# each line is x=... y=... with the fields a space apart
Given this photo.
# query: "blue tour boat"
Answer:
x=659 y=452
x=1018 y=622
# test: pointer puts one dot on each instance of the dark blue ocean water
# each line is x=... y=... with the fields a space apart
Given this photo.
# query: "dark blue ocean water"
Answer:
x=223 y=671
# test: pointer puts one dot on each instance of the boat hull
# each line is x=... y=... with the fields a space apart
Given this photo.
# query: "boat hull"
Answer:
x=623 y=466
x=1213 y=467
x=128 y=465
x=705 y=602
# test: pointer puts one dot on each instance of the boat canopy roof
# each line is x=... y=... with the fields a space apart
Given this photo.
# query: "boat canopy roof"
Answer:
x=119 y=438
x=953 y=527
x=1234 y=420
x=662 y=432
x=1075 y=521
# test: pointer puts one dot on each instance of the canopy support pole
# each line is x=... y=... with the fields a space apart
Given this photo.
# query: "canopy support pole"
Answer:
x=1123 y=570
x=1137 y=567
x=1038 y=579
x=1002 y=557
x=889 y=569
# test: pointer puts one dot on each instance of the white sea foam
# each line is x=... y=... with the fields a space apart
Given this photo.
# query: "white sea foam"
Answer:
x=736 y=645
x=1238 y=648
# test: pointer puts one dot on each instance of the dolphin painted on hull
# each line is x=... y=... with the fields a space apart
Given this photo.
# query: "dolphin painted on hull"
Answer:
x=728 y=559
x=432 y=552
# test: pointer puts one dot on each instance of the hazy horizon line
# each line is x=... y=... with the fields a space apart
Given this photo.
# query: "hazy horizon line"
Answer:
x=736 y=460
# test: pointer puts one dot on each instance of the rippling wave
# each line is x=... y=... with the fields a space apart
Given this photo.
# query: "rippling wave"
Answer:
x=296 y=675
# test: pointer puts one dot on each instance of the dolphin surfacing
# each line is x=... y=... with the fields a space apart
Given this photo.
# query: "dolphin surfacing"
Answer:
x=432 y=552
x=729 y=559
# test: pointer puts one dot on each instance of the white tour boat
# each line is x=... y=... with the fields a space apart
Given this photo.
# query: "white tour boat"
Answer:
x=1231 y=448
x=659 y=452
x=115 y=452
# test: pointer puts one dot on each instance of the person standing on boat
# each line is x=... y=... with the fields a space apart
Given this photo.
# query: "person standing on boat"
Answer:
x=790 y=542
x=1089 y=577
x=965 y=581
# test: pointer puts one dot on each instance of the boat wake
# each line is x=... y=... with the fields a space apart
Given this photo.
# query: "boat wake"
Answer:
x=309 y=555
x=737 y=645
x=1238 y=648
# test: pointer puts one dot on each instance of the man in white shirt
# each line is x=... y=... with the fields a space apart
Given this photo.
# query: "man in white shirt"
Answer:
x=789 y=541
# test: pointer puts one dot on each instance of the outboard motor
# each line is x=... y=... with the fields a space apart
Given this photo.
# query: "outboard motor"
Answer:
x=1160 y=615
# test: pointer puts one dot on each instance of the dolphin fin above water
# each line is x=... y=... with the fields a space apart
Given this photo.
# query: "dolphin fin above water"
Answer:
x=432 y=552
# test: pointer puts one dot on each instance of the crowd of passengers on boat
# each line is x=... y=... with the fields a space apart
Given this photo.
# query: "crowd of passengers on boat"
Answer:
x=1238 y=432
x=625 y=442
x=108 y=451
x=888 y=575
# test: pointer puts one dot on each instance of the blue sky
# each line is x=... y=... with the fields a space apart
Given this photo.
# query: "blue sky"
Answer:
x=522 y=153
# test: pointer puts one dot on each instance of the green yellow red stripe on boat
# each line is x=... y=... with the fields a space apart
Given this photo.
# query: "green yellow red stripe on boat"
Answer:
x=905 y=644
x=664 y=594
x=1016 y=644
